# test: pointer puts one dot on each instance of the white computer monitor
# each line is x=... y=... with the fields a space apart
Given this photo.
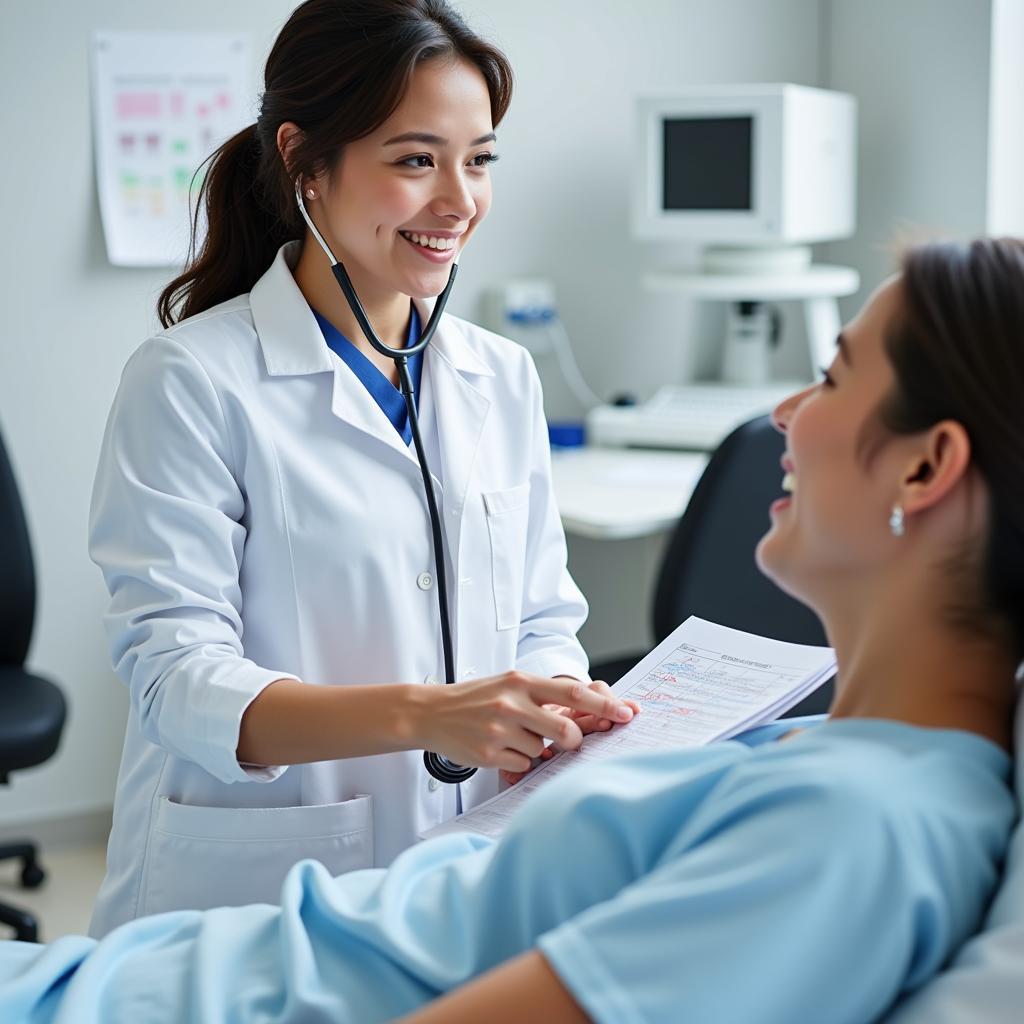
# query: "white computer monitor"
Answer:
x=751 y=166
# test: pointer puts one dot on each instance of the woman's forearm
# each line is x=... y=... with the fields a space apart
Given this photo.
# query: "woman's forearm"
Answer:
x=498 y=722
x=291 y=722
x=522 y=989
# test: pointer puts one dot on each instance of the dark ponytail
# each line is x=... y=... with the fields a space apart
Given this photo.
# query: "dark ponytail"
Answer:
x=957 y=349
x=242 y=236
x=338 y=70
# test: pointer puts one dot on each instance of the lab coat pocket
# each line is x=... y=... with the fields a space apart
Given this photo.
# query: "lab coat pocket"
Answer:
x=508 y=518
x=201 y=857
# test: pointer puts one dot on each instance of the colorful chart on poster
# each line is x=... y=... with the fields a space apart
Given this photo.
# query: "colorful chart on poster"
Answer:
x=162 y=103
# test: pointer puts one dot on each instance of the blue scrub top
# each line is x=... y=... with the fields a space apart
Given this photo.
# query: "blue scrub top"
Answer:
x=384 y=393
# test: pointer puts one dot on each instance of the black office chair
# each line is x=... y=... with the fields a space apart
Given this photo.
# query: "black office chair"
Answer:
x=32 y=709
x=709 y=567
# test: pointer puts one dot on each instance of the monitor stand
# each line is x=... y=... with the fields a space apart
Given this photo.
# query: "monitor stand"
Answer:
x=731 y=259
x=816 y=287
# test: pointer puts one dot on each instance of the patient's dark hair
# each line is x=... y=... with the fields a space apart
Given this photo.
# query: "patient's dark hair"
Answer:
x=957 y=348
x=338 y=70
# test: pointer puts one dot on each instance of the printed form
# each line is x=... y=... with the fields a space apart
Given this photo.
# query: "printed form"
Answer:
x=705 y=682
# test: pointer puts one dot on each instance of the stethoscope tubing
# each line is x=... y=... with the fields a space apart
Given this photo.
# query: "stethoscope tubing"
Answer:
x=437 y=765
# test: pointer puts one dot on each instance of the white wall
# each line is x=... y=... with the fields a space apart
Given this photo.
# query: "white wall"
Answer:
x=920 y=72
x=70 y=319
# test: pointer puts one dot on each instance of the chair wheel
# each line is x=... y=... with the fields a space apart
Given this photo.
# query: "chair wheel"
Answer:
x=32 y=875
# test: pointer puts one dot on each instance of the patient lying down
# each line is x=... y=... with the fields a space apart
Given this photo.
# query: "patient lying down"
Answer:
x=815 y=879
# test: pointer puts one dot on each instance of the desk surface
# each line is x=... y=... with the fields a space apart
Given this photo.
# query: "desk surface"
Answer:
x=616 y=493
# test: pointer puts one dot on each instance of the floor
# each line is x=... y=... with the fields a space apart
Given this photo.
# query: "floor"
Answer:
x=63 y=903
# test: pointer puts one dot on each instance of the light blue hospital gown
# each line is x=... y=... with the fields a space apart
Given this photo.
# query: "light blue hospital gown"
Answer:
x=806 y=881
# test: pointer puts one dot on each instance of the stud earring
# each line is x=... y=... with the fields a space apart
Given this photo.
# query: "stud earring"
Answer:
x=896 y=524
x=310 y=193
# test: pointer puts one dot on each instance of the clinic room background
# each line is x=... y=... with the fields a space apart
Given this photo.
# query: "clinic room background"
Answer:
x=937 y=154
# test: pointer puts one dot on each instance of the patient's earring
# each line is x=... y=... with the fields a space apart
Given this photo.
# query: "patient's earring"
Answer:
x=310 y=193
x=896 y=520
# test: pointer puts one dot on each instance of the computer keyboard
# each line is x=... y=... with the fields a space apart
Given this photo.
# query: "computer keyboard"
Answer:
x=695 y=416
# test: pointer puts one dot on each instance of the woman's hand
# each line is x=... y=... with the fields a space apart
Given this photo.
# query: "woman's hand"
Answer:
x=587 y=722
x=502 y=721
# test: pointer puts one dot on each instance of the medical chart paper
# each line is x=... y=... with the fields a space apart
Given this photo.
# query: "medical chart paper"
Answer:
x=705 y=682
x=162 y=103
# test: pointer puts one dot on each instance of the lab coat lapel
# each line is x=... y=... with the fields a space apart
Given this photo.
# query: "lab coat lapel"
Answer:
x=293 y=344
x=354 y=405
x=460 y=412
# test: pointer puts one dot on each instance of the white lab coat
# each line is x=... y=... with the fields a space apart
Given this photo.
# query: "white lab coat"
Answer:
x=257 y=516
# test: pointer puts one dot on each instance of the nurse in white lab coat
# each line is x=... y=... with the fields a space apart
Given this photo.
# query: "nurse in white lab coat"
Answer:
x=260 y=521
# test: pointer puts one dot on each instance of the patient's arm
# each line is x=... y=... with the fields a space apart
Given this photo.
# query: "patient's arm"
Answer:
x=525 y=988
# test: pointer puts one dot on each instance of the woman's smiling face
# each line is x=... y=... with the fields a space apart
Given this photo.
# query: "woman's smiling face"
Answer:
x=403 y=201
x=834 y=524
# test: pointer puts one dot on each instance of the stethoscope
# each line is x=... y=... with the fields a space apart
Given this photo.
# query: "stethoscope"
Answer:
x=438 y=765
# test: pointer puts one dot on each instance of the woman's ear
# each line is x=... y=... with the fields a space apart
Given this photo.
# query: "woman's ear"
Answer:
x=939 y=464
x=288 y=134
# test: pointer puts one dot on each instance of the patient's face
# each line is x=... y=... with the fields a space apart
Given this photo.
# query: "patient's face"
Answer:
x=832 y=530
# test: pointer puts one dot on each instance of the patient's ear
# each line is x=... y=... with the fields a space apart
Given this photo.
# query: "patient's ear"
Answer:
x=937 y=466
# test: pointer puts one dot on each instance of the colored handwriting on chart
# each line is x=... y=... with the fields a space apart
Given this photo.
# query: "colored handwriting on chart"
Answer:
x=656 y=698
x=697 y=690
x=705 y=671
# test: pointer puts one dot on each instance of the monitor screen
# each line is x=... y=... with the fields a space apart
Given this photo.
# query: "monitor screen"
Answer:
x=707 y=163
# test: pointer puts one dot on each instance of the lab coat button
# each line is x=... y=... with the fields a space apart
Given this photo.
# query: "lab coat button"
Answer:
x=424 y=581
x=432 y=785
